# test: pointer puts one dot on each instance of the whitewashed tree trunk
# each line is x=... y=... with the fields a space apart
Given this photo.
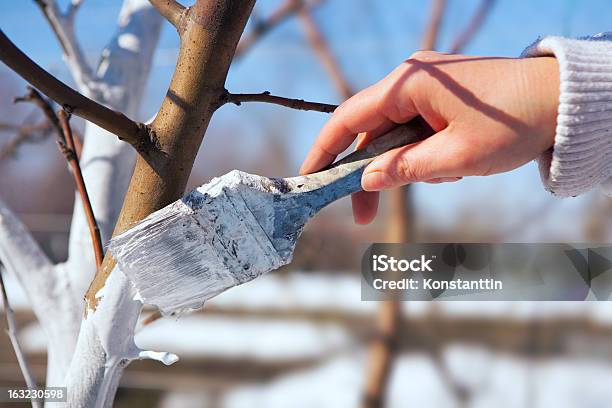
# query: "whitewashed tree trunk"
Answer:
x=91 y=367
x=105 y=342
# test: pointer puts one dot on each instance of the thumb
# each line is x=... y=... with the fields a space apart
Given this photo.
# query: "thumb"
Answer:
x=438 y=156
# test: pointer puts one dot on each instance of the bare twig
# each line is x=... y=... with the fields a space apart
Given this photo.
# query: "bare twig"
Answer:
x=115 y=122
x=324 y=52
x=170 y=10
x=44 y=105
x=12 y=333
x=261 y=27
x=266 y=97
x=62 y=25
x=9 y=127
x=473 y=26
x=25 y=133
x=60 y=122
x=68 y=149
x=29 y=132
x=433 y=26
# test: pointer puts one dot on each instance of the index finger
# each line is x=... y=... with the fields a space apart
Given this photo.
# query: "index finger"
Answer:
x=367 y=110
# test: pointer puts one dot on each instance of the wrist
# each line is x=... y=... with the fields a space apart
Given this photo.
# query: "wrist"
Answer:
x=543 y=88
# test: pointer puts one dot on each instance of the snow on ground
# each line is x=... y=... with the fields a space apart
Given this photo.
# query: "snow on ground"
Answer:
x=317 y=291
x=304 y=291
x=241 y=337
x=493 y=380
x=282 y=339
x=333 y=384
x=342 y=293
x=185 y=399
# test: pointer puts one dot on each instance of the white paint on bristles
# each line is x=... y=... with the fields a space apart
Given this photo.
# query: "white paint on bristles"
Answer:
x=201 y=245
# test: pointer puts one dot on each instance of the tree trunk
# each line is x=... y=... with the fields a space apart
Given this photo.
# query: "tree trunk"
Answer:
x=209 y=33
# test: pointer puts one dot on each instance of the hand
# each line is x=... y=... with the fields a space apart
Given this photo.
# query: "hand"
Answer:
x=491 y=115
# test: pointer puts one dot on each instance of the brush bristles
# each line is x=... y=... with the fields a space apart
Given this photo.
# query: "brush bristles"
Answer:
x=194 y=249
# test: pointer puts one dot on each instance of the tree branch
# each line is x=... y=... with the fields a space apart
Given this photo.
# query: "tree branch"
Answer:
x=69 y=151
x=18 y=249
x=24 y=134
x=433 y=27
x=171 y=11
x=260 y=28
x=73 y=7
x=324 y=52
x=265 y=97
x=12 y=333
x=44 y=105
x=473 y=26
x=49 y=293
x=115 y=122
x=62 y=25
x=60 y=122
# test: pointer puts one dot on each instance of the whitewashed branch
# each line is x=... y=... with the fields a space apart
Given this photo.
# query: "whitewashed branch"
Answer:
x=106 y=345
x=48 y=292
x=106 y=162
x=63 y=27
x=11 y=330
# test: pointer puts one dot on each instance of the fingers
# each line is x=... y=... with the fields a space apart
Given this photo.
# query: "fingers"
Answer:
x=365 y=206
x=366 y=137
x=366 y=111
x=441 y=156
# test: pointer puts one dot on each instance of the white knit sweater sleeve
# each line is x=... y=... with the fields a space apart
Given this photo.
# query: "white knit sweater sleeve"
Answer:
x=581 y=157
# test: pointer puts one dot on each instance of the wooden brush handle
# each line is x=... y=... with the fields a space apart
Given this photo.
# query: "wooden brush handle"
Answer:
x=344 y=176
x=414 y=131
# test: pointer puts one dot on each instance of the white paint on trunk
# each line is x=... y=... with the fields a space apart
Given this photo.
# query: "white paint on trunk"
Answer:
x=106 y=338
x=106 y=346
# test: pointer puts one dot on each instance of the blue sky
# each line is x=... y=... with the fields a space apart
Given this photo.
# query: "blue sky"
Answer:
x=370 y=37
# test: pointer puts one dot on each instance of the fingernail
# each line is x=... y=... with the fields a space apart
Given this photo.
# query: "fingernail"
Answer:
x=310 y=165
x=376 y=181
x=304 y=169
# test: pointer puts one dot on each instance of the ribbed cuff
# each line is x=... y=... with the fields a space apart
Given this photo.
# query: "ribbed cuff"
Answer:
x=581 y=156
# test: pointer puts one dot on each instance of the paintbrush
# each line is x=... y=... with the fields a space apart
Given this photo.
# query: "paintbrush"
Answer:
x=236 y=227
